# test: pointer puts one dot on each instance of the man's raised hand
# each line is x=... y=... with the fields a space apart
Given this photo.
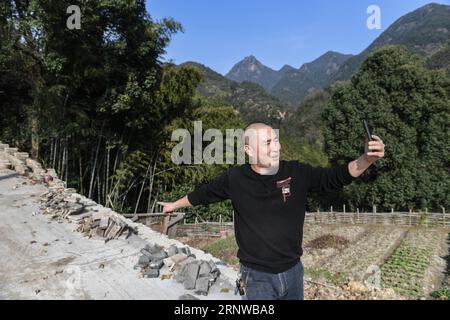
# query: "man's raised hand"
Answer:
x=374 y=149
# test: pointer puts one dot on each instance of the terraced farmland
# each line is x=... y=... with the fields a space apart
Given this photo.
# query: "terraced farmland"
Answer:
x=411 y=262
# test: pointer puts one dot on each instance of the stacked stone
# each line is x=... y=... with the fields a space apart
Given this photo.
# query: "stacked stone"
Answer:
x=4 y=161
x=194 y=274
x=199 y=275
x=13 y=158
x=58 y=202
x=105 y=227
x=151 y=260
x=36 y=168
x=23 y=165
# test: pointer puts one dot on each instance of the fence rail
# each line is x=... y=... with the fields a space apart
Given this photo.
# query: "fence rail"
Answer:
x=401 y=218
x=427 y=219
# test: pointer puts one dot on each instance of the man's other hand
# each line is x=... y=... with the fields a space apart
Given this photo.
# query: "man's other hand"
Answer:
x=168 y=207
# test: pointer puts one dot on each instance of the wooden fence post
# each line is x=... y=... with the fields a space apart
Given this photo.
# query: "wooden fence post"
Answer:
x=410 y=211
x=443 y=216
x=331 y=214
x=374 y=217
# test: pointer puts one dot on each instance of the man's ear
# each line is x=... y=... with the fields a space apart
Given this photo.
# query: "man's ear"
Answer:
x=248 y=150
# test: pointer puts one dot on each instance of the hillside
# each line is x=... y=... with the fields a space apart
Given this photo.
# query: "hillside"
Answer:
x=424 y=31
x=296 y=84
x=249 y=99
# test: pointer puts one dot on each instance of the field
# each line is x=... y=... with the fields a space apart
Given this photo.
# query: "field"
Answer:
x=345 y=261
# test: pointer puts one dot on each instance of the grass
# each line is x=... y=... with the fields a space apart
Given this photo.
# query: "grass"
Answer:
x=337 y=279
x=224 y=249
x=441 y=294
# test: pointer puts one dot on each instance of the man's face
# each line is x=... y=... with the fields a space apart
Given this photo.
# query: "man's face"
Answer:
x=264 y=147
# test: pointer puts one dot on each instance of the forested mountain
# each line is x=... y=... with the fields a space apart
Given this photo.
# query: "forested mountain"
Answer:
x=424 y=31
x=250 y=69
x=295 y=85
x=250 y=99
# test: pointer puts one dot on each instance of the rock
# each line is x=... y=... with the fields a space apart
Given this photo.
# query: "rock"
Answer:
x=205 y=269
x=202 y=285
x=100 y=232
x=20 y=169
x=75 y=208
x=143 y=261
x=173 y=250
x=158 y=256
x=21 y=155
x=190 y=275
x=146 y=252
x=151 y=273
x=179 y=257
x=153 y=248
x=104 y=222
x=185 y=250
x=174 y=259
x=156 y=264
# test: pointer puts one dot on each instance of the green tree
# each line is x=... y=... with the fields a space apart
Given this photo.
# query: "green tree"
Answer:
x=409 y=107
x=93 y=102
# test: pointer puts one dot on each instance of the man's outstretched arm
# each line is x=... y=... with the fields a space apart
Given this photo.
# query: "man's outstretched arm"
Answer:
x=214 y=191
x=169 y=207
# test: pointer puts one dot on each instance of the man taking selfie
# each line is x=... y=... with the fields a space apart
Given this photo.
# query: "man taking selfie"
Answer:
x=269 y=201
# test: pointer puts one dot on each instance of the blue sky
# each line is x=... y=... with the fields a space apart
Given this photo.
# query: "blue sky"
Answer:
x=219 y=33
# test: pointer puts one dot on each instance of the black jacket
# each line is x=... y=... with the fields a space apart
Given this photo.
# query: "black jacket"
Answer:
x=270 y=210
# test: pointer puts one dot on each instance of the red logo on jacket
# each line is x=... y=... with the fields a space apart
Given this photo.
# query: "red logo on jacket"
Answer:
x=285 y=186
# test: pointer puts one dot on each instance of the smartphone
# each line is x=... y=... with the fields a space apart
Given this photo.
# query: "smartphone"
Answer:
x=368 y=133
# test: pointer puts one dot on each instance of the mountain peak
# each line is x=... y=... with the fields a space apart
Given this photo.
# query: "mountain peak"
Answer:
x=252 y=70
x=286 y=68
x=298 y=83
x=251 y=58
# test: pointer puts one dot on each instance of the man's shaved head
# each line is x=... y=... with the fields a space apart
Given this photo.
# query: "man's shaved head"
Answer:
x=262 y=146
x=252 y=128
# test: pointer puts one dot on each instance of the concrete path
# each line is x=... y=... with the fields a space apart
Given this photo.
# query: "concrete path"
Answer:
x=44 y=259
